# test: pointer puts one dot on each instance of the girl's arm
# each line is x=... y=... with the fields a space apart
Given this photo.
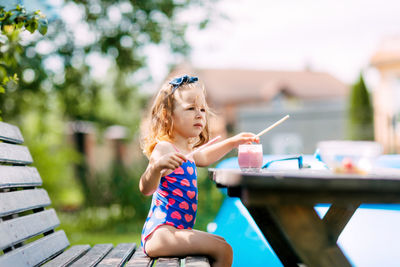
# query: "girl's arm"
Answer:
x=162 y=159
x=216 y=151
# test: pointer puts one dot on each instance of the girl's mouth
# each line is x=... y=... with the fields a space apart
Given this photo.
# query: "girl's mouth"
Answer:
x=198 y=125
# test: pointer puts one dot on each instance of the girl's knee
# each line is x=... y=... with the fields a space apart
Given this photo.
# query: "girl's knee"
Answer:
x=226 y=251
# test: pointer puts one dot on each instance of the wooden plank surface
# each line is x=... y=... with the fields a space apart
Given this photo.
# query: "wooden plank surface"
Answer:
x=18 y=201
x=197 y=261
x=68 y=257
x=37 y=252
x=19 y=176
x=168 y=262
x=16 y=230
x=10 y=133
x=139 y=259
x=93 y=256
x=16 y=154
x=118 y=255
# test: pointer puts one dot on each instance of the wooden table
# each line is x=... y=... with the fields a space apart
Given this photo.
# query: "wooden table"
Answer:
x=282 y=204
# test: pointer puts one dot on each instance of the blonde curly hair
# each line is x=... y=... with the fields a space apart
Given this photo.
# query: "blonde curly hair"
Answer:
x=158 y=125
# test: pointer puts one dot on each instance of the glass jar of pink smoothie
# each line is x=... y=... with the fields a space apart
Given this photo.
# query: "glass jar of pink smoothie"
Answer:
x=250 y=157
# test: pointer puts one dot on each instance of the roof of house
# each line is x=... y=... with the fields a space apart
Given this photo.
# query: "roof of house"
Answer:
x=388 y=52
x=246 y=86
x=232 y=86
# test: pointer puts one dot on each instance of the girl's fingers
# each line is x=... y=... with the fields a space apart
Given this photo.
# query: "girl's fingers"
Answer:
x=181 y=156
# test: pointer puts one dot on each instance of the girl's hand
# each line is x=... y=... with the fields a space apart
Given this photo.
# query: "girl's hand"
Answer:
x=170 y=161
x=245 y=138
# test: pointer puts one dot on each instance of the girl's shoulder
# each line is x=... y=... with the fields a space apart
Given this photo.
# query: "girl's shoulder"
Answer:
x=164 y=147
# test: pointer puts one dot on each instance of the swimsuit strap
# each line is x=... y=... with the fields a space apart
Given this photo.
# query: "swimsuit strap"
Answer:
x=177 y=150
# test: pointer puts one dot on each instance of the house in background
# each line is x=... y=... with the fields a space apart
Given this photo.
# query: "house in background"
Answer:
x=386 y=96
x=251 y=100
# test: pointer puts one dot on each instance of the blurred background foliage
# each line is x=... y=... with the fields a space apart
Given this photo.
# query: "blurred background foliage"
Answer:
x=48 y=81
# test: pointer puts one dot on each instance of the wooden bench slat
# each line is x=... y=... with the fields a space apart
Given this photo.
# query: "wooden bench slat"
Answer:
x=10 y=133
x=168 y=262
x=139 y=259
x=18 y=201
x=18 y=229
x=68 y=256
x=19 y=176
x=36 y=252
x=94 y=256
x=119 y=255
x=16 y=154
x=197 y=261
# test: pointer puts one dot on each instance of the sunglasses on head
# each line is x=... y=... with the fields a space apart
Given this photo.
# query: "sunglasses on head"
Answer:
x=298 y=158
x=182 y=80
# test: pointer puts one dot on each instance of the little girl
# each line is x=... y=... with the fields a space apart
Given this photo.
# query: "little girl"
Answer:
x=178 y=125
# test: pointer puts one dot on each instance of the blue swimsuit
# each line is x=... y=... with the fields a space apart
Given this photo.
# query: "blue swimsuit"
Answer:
x=174 y=202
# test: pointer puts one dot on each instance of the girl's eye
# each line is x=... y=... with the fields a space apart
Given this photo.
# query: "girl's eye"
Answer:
x=190 y=108
x=203 y=110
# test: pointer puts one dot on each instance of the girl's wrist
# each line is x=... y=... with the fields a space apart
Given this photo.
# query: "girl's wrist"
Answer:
x=233 y=143
x=154 y=167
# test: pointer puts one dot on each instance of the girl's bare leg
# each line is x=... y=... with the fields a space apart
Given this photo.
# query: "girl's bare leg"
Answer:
x=169 y=241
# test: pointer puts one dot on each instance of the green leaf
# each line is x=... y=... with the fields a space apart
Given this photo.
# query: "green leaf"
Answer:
x=32 y=26
x=2 y=90
x=204 y=24
x=43 y=26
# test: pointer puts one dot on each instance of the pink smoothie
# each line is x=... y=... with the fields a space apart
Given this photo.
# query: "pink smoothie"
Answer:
x=250 y=159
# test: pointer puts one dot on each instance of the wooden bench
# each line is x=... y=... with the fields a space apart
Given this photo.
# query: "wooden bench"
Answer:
x=27 y=224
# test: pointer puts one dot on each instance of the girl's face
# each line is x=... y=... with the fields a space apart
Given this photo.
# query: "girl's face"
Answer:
x=189 y=114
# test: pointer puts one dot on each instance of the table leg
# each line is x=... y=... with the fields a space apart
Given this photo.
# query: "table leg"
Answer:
x=308 y=234
x=273 y=234
x=337 y=217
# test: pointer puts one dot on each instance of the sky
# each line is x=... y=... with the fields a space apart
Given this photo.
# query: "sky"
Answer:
x=338 y=37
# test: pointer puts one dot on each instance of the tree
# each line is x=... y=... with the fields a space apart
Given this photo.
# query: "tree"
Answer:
x=57 y=74
x=361 y=126
x=12 y=23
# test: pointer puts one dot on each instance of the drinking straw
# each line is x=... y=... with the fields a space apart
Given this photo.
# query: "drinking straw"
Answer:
x=203 y=146
x=272 y=126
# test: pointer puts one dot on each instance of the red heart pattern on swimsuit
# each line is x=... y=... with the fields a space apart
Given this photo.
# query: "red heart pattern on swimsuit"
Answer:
x=194 y=206
x=170 y=179
x=176 y=215
x=185 y=182
x=191 y=194
x=184 y=205
x=163 y=193
x=188 y=217
x=179 y=170
x=177 y=192
x=190 y=170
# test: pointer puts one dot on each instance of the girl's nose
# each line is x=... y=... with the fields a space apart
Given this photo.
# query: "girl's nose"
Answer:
x=199 y=114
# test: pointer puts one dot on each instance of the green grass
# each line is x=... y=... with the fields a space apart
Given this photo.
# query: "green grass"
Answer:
x=101 y=237
x=100 y=225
